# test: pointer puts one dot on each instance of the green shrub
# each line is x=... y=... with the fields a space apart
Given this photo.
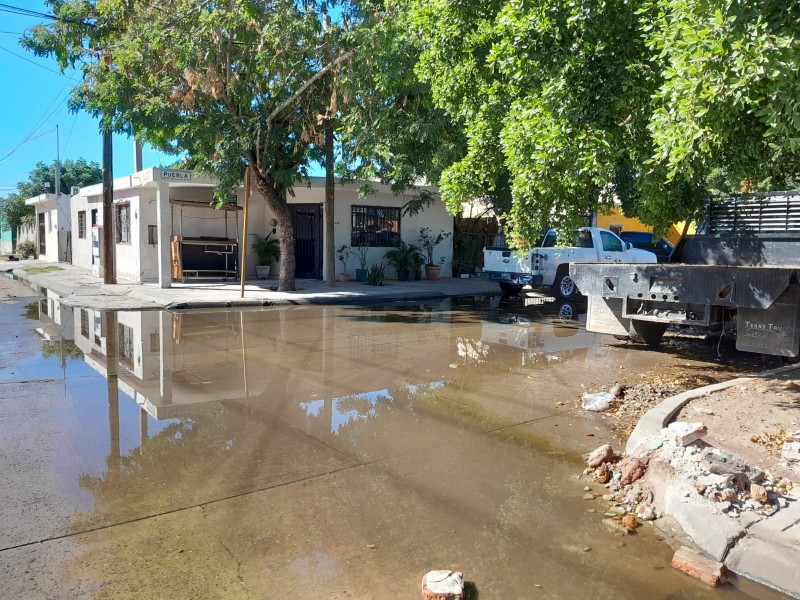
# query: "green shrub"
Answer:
x=375 y=275
x=27 y=249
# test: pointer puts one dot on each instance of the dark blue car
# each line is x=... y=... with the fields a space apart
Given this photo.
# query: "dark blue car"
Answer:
x=649 y=241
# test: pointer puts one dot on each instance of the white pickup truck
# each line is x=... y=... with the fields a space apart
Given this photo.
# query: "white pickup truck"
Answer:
x=547 y=265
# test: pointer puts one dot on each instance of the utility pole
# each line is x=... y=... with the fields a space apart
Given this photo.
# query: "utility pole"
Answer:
x=109 y=270
x=58 y=168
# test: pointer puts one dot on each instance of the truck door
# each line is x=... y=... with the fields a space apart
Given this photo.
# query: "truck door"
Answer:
x=612 y=250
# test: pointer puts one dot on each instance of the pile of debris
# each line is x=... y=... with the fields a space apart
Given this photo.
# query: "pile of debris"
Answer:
x=703 y=474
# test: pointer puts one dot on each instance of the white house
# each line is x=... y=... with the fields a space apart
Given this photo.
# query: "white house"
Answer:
x=166 y=229
x=52 y=226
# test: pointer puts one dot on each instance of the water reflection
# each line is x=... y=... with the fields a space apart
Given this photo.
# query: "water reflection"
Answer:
x=325 y=444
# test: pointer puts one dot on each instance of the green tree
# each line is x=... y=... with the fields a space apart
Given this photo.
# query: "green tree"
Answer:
x=651 y=100
x=41 y=179
x=237 y=85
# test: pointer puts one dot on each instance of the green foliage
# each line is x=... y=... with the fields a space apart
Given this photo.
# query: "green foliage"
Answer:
x=361 y=254
x=266 y=248
x=13 y=209
x=66 y=348
x=40 y=270
x=27 y=249
x=403 y=256
x=376 y=274
x=428 y=242
x=581 y=101
x=466 y=249
x=343 y=254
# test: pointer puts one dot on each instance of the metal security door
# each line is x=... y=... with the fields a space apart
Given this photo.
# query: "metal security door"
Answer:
x=307 y=220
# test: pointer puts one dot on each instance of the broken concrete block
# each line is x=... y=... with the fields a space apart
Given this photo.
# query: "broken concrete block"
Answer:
x=698 y=566
x=759 y=494
x=443 y=585
x=791 y=451
x=603 y=454
x=687 y=433
x=632 y=470
x=603 y=474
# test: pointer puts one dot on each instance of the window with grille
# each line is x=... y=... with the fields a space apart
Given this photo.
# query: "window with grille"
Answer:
x=152 y=235
x=123 y=223
x=81 y=224
x=376 y=226
x=85 y=323
x=125 y=344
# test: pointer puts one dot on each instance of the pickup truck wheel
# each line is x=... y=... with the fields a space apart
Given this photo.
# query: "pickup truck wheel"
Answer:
x=563 y=287
x=647 y=332
x=510 y=289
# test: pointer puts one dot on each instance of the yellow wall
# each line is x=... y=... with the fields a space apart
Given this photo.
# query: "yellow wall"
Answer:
x=615 y=217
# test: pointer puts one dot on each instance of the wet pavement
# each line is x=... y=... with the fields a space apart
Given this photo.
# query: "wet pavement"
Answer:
x=336 y=451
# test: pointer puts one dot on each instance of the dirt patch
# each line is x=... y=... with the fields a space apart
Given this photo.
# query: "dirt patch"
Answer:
x=752 y=420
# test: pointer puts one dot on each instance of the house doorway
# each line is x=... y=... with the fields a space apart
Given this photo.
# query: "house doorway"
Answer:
x=307 y=222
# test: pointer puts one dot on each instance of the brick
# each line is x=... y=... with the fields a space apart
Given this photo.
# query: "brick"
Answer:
x=443 y=585
x=695 y=564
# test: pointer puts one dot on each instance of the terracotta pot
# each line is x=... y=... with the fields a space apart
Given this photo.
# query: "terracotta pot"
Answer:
x=432 y=272
x=402 y=274
x=344 y=276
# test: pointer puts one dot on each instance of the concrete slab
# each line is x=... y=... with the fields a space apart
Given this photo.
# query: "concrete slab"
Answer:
x=767 y=562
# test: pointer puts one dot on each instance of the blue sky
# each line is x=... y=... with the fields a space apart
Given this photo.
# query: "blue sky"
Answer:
x=34 y=101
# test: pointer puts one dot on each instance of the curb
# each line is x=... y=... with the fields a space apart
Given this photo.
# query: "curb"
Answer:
x=658 y=417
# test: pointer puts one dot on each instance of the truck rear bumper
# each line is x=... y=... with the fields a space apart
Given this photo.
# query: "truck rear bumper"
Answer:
x=513 y=278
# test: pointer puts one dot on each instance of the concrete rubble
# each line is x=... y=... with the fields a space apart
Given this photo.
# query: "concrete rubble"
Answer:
x=738 y=516
x=443 y=585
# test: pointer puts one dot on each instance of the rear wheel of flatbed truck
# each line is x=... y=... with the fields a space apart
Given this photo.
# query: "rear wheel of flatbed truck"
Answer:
x=647 y=332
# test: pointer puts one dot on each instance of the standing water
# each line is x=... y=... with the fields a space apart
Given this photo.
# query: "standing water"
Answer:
x=336 y=452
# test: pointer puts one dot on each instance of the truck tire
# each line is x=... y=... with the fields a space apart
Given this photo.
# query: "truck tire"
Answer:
x=647 y=332
x=563 y=287
x=510 y=289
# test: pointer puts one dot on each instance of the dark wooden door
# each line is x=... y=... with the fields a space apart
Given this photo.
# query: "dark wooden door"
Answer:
x=42 y=235
x=307 y=221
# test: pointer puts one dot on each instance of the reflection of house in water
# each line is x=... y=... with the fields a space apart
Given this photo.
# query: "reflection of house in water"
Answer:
x=318 y=363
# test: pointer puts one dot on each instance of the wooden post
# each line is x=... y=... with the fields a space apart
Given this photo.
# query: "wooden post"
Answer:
x=243 y=270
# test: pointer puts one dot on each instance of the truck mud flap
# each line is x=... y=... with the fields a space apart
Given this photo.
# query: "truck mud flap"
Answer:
x=604 y=315
x=772 y=330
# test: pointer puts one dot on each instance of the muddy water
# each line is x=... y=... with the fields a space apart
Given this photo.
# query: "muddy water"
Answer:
x=336 y=452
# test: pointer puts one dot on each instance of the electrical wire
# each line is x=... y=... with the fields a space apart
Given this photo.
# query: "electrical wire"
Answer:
x=33 y=62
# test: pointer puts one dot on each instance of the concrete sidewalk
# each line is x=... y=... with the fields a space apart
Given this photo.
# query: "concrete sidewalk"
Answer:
x=78 y=287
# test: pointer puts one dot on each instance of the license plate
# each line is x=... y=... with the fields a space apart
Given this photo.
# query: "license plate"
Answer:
x=506 y=276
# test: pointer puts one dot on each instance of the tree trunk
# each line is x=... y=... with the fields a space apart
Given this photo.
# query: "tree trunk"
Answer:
x=330 y=186
x=277 y=203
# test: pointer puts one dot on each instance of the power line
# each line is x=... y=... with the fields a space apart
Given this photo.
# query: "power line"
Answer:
x=33 y=62
x=26 y=12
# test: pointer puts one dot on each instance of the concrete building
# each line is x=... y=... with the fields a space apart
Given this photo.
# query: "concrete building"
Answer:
x=166 y=228
x=52 y=227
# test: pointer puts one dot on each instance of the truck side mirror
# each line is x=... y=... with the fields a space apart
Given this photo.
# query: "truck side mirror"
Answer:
x=628 y=246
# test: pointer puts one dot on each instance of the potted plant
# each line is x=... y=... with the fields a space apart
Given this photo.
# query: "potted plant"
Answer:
x=361 y=255
x=267 y=250
x=343 y=255
x=403 y=257
x=428 y=241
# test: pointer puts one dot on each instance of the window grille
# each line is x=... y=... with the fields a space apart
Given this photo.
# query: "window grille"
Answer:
x=375 y=226
x=123 y=223
x=82 y=224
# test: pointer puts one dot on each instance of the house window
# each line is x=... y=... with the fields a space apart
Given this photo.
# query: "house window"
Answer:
x=94 y=217
x=152 y=235
x=375 y=226
x=123 y=223
x=125 y=342
x=85 y=323
x=82 y=224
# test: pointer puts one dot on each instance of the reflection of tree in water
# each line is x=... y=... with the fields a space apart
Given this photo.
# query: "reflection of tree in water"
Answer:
x=32 y=311
x=65 y=348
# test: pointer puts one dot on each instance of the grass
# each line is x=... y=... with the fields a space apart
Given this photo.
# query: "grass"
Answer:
x=47 y=269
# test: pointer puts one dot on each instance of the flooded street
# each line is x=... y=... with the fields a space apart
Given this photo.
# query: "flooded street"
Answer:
x=301 y=452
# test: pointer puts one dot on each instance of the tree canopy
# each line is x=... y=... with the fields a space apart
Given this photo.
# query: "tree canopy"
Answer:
x=575 y=102
x=78 y=172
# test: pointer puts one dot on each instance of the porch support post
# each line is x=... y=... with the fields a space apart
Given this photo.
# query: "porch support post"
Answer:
x=164 y=225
